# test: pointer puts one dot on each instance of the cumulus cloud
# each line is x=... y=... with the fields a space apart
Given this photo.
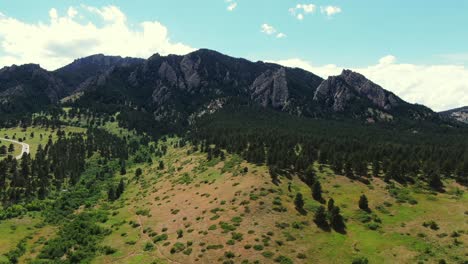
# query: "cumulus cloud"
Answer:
x=330 y=10
x=231 y=5
x=280 y=35
x=439 y=87
x=270 y=30
x=65 y=37
x=300 y=9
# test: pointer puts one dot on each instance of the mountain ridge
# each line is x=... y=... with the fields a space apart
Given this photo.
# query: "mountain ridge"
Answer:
x=175 y=87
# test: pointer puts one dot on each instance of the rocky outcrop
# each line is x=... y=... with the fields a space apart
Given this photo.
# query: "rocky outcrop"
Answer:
x=271 y=89
x=364 y=87
x=338 y=92
x=458 y=114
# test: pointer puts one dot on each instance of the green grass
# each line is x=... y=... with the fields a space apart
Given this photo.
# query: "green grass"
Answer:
x=35 y=141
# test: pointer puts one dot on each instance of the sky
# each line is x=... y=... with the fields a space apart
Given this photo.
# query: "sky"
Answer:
x=416 y=49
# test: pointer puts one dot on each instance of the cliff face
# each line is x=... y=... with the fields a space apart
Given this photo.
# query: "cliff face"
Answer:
x=458 y=114
x=338 y=91
x=177 y=87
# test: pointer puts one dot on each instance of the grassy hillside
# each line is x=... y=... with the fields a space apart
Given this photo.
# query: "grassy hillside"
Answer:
x=186 y=209
x=206 y=212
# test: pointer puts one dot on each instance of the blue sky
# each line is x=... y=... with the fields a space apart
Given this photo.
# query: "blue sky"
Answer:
x=371 y=36
x=414 y=31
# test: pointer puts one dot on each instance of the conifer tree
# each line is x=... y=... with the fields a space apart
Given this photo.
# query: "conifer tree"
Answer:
x=320 y=217
x=317 y=191
x=363 y=203
x=299 y=202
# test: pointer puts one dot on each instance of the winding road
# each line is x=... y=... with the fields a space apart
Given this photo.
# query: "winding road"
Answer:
x=24 y=149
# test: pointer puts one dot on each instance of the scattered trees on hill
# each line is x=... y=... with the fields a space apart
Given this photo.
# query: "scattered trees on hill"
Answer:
x=56 y=165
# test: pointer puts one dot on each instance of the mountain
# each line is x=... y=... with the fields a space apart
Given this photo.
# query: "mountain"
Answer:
x=28 y=87
x=459 y=114
x=181 y=87
x=176 y=89
x=80 y=70
x=353 y=94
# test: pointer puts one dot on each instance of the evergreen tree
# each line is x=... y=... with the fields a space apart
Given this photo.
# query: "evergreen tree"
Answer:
x=320 y=217
x=161 y=165
x=120 y=189
x=138 y=172
x=299 y=202
x=363 y=203
x=317 y=191
x=111 y=194
x=330 y=204
x=375 y=168
x=348 y=170
x=336 y=219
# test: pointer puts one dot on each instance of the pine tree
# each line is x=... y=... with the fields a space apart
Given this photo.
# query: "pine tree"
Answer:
x=330 y=204
x=348 y=170
x=375 y=168
x=336 y=219
x=317 y=191
x=161 y=165
x=120 y=189
x=363 y=203
x=309 y=175
x=299 y=202
x=111 y=194
x=320 y=217
x=138 y=172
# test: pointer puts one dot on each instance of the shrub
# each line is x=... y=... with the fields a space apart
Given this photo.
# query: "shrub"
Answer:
x=148 y=246
x=258 y=247
x=177 y=247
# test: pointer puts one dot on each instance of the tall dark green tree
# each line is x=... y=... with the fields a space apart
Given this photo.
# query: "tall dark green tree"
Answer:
x=364 y=203
x=299 y=202
x=317 y=191
x=320 y=217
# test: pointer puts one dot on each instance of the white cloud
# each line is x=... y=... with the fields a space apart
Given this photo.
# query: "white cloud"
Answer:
x=330 y=10
x=64 y=38
x=389 y=59
x=232 y=6
x=267 y=29
x=280 y=35
x=270 y=30
x=439 y=87
x=72 y=12
x=53 y=14
x=458 y=58
x=300 y=9
x=307 y=8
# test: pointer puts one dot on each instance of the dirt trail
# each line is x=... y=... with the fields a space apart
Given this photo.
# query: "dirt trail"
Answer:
x=24 y=146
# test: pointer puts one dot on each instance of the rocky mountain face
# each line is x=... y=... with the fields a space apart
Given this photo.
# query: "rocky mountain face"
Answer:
x=459 y=114
x=352 y=93
x=177 y=88
x=80 y=70
x=28 y=87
